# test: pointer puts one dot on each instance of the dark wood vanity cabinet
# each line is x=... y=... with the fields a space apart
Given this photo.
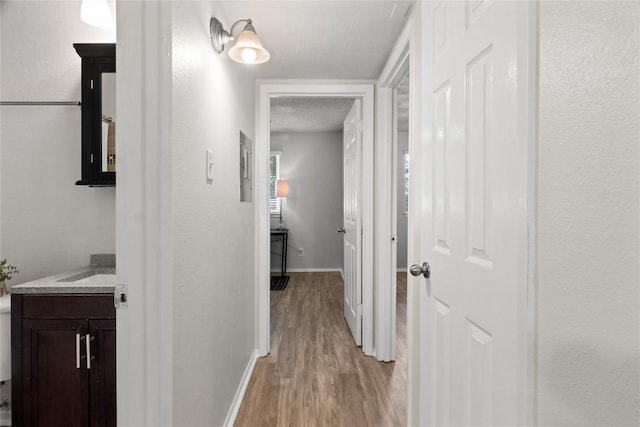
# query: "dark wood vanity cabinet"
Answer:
x=63 y=360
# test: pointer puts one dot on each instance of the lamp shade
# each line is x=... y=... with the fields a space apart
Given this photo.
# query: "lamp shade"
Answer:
x=248 y=49
x=96 y=13
x=282 y=188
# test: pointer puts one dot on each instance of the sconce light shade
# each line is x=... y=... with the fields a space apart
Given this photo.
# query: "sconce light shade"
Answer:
x=96 y=13
x=248 y=48
x=282 y=188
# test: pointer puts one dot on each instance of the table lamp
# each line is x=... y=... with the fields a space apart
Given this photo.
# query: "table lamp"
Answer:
x=282 y=192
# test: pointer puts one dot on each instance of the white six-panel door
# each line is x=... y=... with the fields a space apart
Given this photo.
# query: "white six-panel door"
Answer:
x=352 y=158
x=473 y=203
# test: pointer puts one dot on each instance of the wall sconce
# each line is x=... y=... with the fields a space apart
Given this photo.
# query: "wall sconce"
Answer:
x=96 y=13
x=247 y=50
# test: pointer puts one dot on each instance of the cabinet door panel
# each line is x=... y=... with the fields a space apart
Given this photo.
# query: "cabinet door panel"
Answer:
x=56 y=390
x=103 y=376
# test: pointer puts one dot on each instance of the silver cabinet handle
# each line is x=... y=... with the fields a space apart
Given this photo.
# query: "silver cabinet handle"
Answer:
x=341 y=230
x=88 y=343
x=424 y=269
x=77 y=351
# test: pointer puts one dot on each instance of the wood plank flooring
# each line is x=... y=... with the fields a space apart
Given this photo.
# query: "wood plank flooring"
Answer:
x=315 y=375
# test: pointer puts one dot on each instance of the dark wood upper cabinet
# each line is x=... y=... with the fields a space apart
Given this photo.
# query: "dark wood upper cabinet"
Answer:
x=98 y=113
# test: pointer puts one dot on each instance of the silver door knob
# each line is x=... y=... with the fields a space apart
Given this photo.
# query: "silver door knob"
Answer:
x=424 y=269
x=341 y=230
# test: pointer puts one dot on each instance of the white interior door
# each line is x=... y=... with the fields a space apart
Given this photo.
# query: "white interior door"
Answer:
x=352 y=159
x=474 y=196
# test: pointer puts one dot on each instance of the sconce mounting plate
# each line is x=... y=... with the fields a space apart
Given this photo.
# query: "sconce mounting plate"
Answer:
x=219 y=37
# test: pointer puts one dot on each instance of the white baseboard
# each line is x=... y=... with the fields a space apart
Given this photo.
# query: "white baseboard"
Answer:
x=242 y=388
x=307 y=270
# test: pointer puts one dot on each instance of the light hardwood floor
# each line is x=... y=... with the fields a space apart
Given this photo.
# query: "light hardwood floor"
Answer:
x=315 y=375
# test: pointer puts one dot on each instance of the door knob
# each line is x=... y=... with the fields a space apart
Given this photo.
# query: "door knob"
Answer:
x=424 y=269
x=341 y=230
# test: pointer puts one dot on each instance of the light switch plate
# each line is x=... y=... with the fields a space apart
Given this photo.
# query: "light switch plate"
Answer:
x=210 y=164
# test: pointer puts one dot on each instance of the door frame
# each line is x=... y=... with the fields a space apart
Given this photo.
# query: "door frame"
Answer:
x=265 y=90
x=528 y=118
x=144 y=248
x=395 y=70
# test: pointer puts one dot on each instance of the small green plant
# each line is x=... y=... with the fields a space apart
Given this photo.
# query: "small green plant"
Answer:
x=6 y=273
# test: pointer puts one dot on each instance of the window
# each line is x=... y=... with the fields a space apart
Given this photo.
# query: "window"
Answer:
x=406 y=182
x=274 y=175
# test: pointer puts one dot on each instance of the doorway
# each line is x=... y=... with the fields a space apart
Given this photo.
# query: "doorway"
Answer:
x=267 y=92
x=306 y=186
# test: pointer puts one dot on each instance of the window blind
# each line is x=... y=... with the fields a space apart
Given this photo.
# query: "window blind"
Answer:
x=406 y=182
x=274 y=175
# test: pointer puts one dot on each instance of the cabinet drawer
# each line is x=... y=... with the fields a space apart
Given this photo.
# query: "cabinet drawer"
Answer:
x=99 y=306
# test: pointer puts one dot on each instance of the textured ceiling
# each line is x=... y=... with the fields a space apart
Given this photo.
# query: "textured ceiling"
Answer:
x=325 y=114
x=309 y=114
x=325 y=39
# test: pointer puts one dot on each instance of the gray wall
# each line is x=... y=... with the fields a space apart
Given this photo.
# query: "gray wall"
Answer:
x=312 y=162
x=588 y=335
x=48 y=224
x=403 y=144
x=214 y=240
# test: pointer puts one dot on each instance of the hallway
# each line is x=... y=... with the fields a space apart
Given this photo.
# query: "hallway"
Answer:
x=315 y=375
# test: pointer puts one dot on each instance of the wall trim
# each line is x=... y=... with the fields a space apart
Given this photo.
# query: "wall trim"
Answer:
x=414 y=239
x=242 y=388
x=385 y=209
x=528 y=89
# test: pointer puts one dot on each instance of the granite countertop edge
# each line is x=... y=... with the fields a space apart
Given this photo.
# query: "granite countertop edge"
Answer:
x=55 y=284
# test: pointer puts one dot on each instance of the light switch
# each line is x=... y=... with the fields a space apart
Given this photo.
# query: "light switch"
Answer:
x=209 y=164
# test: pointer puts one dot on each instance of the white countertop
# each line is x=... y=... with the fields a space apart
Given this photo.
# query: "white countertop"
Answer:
x=86 y=280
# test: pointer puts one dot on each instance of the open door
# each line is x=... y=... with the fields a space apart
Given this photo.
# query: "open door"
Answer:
x=352 y=228
x=472 y=346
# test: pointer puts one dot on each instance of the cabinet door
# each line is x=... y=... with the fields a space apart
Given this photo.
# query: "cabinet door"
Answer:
x=56 y=386
x=103 y=372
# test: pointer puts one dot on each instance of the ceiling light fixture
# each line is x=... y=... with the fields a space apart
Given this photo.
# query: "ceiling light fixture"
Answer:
x=96 y=13
x=248 y=48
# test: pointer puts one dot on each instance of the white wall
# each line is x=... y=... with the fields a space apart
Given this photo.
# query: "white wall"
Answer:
x=588 y=234
x=312 y=162
x=403 y=144
x=48 y=224
x=213 y=305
